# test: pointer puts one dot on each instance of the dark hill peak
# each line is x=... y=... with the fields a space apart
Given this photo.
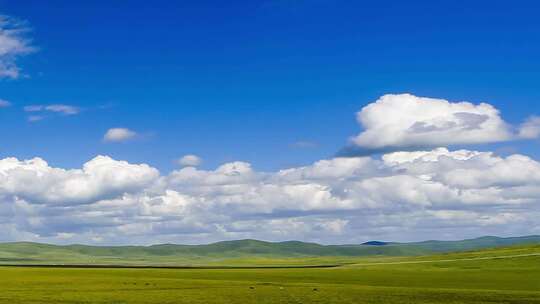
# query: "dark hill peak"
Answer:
x=375 y=243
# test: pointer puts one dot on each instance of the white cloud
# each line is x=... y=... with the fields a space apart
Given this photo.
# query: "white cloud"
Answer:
x=335 y=168
x=189 y=160
x=13 y=44
x=119 y=135
x=102 y=177
x=40 y=112
x=404 y=121
x=427 y=156
x=55 y=108
x=426 y=194
x=531 y=128
x=33 y=108
x=63 y=109
x=4 y=103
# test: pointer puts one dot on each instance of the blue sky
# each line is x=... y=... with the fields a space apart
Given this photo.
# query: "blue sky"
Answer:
x=246 y=80
x=267 y=94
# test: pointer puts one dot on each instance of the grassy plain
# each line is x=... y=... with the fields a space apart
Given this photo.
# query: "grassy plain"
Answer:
x=504 y=275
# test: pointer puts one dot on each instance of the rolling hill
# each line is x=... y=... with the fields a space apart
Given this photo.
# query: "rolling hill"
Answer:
x=167 y=254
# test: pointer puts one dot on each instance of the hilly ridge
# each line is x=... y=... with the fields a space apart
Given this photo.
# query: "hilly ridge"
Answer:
x=38 y=253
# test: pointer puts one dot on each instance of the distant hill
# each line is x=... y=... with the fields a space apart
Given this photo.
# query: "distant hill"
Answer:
x=375 y=243
x=36 y=253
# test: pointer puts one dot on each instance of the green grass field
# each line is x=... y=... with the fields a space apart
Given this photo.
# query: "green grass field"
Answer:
x=504 y=275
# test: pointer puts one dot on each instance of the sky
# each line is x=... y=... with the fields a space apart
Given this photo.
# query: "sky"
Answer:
x=137 y=122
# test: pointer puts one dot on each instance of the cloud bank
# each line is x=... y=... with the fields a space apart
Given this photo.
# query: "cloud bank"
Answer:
x=403 y=195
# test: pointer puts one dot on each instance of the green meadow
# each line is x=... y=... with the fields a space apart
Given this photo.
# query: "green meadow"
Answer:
x=501 y=275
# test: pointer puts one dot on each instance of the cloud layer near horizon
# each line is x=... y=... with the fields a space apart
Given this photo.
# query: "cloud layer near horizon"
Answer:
x=403 y=195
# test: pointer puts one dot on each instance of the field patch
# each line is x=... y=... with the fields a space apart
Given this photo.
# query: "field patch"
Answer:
x=471 y=277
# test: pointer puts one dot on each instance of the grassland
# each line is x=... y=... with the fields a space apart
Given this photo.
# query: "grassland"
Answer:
x=502 y=275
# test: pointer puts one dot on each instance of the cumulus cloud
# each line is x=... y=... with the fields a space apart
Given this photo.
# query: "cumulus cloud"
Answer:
x=13 y=45
x=407 y=122
x=189 y=160
x=119 y=135
x=102 y=177
x=424 y=194
x=531 y=128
